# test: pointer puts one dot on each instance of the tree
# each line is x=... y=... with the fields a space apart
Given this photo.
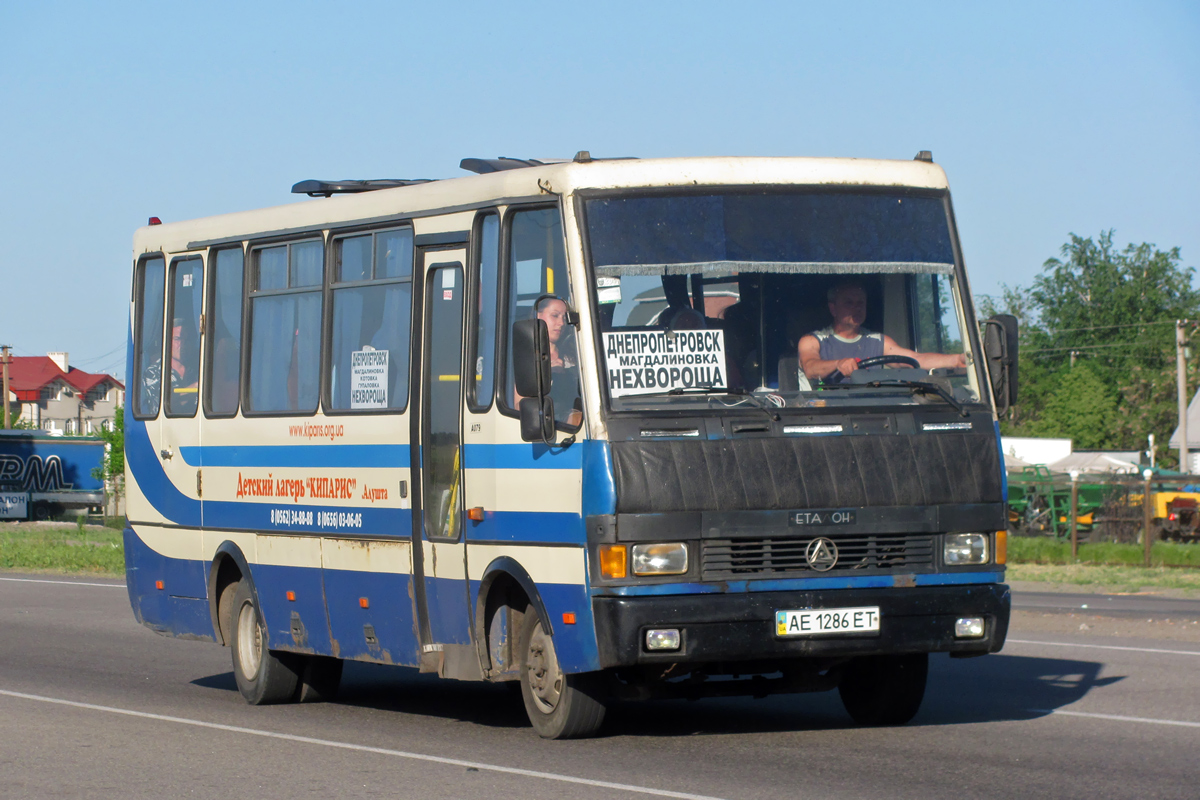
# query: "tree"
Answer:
x=112 y=468
x=1115 y=310
x=1080 y=407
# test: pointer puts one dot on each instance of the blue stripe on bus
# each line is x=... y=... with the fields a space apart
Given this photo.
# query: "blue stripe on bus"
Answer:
x=535 y=527
x=475 y=456
x=799 y=584
x=298 y=455
x=599 y=490
x=153 y=481
x=521 y=456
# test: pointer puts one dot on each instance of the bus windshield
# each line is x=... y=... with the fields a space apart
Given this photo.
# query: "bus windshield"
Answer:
x=706 y=298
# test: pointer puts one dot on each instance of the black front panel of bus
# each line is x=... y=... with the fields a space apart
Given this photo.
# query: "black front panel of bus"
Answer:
x=765 y=472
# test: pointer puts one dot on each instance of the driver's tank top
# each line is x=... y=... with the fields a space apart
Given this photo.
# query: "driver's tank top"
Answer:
x=867 y=344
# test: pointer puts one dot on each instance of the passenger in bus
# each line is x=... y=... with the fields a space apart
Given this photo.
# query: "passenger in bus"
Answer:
x=683 y=318
x=832 y=353
x=224 y=375
x=183 y=382
x=686 y=318
x=564 y=380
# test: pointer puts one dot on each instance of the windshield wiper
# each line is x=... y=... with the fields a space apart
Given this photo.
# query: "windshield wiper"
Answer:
x=758 y=402
x=920 y=387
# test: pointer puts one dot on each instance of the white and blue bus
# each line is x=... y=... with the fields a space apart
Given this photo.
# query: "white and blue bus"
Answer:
x=549 y=423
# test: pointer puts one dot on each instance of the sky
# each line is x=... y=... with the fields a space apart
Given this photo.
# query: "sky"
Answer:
x=1049 y=118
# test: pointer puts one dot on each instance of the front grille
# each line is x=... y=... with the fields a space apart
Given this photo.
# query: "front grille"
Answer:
x=781 y=557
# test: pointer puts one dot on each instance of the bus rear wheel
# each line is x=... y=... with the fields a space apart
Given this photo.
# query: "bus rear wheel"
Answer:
x=884 y=690
x=559 y=705
x=263 y=676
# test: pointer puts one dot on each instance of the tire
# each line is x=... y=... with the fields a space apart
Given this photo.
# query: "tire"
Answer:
x=319 y=679
x=884 y=690
x=559 y=706
x=263 y=676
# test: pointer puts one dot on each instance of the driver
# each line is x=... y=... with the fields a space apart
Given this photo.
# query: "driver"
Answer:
x=832 y=353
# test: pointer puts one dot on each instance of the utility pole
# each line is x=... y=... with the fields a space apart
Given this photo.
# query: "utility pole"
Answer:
x=5 y=358
x=1181 y=387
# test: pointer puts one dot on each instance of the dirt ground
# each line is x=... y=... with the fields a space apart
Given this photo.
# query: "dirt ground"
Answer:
x=1177 y=630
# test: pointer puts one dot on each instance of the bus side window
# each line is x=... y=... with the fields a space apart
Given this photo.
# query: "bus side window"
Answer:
x=485 y=278
x=225 y=333
x=537 y=265
x=147 y=384
x=183 y=382
x=285 y=327
x=372 y=317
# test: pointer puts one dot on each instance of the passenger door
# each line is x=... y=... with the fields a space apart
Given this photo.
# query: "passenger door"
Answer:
x=439 y=554
x=179 y=426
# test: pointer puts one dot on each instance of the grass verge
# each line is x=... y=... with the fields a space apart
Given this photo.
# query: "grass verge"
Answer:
x=62 y=548
x=1104 y=579
x=1031 y=550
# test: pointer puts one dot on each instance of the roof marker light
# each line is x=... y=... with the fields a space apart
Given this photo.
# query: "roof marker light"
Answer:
x=154 y=221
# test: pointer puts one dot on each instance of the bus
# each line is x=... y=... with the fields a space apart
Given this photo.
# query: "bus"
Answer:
x=550 y=422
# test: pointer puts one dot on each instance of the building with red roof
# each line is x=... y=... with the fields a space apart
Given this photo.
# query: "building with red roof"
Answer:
x=59 y=398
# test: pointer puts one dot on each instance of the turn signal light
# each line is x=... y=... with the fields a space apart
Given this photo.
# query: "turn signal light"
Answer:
x=1001 y=547
x=612 y=561
x=291 y=596
x=475 y=514
x=364 y=602
x=158 y=584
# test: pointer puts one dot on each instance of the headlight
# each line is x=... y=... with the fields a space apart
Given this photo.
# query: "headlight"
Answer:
x=659 y=559
x=965 y=548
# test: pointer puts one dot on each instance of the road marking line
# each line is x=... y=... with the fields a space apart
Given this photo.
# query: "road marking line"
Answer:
x=64 y=583
x=1109 y=647
x=528 y=773
x=1117 y=717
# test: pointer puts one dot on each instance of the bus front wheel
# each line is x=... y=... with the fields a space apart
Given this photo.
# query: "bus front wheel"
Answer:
x=263 y=676
x=559 y=705
x=884 y=690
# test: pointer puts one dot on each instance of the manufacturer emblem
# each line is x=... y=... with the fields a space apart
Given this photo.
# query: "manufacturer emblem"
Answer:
x=822 y=554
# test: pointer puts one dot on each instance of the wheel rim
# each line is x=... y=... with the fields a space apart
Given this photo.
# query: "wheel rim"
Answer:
x=542 y=672
x=249 y=640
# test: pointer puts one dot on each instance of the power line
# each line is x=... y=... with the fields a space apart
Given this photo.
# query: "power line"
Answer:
x=92 y=359
x=1081 y=348
x=1107 y=327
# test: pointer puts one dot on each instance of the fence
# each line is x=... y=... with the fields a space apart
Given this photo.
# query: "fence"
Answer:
x=1101 y=508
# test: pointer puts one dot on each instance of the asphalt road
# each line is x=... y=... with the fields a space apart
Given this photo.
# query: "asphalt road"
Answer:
x=93 y=705
x=1108 y=605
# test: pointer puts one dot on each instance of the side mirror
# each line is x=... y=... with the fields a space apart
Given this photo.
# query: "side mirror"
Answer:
x=531 y=376
x=537 y=419
x=531 y=357
x=1000 y=350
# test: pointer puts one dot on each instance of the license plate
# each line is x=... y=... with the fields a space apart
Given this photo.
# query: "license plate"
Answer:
x=821 y=621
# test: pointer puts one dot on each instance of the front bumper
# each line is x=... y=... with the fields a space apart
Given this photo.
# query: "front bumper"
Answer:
x=741 y=627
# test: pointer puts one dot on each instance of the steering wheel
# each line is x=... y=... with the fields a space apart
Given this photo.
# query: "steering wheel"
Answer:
x=879 y=361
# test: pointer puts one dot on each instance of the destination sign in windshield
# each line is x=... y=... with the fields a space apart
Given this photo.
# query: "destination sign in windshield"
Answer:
x=651 y=362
